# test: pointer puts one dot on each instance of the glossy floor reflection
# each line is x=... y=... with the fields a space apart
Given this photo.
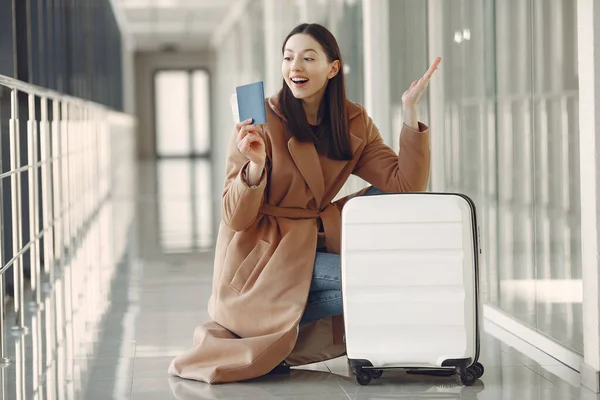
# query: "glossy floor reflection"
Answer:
x=109 y=331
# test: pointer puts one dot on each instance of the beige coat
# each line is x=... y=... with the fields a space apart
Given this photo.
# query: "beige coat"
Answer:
x=267 y=242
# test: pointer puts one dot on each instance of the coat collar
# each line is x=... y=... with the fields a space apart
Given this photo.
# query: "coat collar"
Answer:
x=306 y=157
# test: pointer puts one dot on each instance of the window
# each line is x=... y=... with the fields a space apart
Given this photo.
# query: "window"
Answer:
x=182 y=113
x=183 y=130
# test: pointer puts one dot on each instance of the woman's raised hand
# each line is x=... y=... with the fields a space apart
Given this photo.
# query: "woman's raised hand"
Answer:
x=250 y=143
x=413 y=94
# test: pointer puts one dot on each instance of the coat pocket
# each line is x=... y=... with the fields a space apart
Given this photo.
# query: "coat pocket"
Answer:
x=255 y=260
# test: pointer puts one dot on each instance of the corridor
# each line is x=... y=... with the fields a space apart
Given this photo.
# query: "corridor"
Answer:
x=115 y=126
x=115 y=339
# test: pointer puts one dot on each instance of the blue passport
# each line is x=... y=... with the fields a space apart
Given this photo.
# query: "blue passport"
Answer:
x=251 y=102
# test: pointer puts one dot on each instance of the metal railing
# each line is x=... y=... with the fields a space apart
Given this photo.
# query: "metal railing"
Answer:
x=76 y=153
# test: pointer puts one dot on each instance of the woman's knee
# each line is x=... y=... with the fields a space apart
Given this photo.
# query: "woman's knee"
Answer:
x=368 y=191
x=373 y=191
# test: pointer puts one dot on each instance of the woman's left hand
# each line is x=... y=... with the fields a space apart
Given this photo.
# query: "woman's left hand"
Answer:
x=413 y=94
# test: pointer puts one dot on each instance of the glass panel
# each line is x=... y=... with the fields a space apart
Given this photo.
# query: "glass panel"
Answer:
x=408 y=35
x=345 y=22
x=475 y=136
x=516 y=270
x=469 y=118
x=512 y=144
x=172 y=113
x=558 y=247
x=201 y=111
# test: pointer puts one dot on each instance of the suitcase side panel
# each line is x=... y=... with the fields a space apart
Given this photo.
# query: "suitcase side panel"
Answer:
x=409 y=279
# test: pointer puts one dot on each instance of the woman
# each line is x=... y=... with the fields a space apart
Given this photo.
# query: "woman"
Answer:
x=276 y=287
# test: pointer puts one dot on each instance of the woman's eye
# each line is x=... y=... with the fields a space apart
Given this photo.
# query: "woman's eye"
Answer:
x=287 y=58
x=308 y=59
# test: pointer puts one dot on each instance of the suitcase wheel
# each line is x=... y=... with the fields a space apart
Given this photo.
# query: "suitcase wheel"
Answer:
x=478 y=369
x=362 y=378
x=468 y=377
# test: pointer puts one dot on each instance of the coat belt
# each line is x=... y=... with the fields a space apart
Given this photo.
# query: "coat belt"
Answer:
x=289 y=212
x=329 y=215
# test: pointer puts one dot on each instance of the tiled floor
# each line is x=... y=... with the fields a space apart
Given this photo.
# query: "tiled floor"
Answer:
x=154 y=308
x=127 y=320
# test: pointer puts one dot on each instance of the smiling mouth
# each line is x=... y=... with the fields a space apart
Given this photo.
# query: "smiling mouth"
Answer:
x=299 y=82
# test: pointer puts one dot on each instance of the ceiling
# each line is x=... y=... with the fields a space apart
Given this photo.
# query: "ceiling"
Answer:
x=155 y=25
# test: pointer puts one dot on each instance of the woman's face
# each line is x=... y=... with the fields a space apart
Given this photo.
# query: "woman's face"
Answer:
x=305 y=67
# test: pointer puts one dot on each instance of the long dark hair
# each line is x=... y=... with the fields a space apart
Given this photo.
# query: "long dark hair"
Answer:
x=332 y=133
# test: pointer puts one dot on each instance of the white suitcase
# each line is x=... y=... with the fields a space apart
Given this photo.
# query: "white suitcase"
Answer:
x=410 y=285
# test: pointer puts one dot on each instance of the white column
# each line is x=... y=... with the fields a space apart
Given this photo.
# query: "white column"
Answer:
x=272 y=47
x=435 y=43
x=304 y=11
x=377 y=65
x=119 y=13
x=246 y=53
x=280 y=17
x=589 y=125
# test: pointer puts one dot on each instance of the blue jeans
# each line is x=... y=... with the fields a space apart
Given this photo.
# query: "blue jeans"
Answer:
x=325 y=296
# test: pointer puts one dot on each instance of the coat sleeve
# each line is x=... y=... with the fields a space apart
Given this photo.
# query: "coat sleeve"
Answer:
x=240 y=201
x=407 y=171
